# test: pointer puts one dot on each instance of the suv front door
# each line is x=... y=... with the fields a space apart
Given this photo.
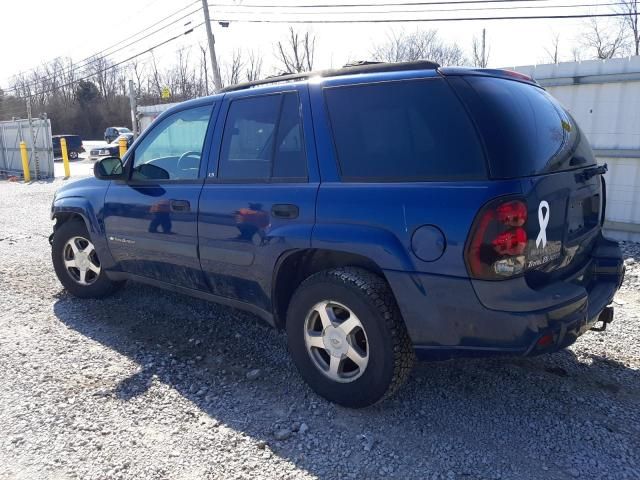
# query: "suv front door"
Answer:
x=151 y=219
x=258 y=201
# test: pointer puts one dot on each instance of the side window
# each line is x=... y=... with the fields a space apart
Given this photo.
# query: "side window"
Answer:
x=173 y=149
x=263 y=139
x=403 y=130
x=290 y=159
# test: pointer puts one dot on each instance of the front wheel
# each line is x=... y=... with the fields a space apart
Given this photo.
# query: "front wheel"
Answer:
x=347 y=338
x=76 y=262
x=73 y=155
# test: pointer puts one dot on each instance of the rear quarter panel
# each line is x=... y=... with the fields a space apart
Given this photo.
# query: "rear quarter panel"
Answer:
x=378 y=220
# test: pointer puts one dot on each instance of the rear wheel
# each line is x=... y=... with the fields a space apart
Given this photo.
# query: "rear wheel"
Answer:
x=347 y=338
x=76 y=262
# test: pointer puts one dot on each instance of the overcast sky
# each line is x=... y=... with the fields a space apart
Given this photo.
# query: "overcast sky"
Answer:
x=79 y=28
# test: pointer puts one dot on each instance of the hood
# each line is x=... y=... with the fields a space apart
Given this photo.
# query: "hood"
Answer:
x=80 y=188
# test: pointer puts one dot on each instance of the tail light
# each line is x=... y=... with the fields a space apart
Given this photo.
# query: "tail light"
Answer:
x=498 y=240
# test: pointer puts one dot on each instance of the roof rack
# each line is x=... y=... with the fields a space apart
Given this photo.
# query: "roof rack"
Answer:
x=349 y=69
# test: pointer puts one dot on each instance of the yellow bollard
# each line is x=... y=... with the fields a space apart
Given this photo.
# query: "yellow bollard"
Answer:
x=65 y=157
x=25 y=162
x=123 y=147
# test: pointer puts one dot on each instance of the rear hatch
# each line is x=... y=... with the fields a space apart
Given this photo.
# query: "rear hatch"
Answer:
x=528 y=135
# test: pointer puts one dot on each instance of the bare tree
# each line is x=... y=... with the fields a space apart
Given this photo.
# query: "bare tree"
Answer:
x=296 y=53
x=87 y=106
x=184 y=74
x=604 y=40
x=553 y=49
x=576 y=53
x=233 y=69
x=418 y=45
x=480 y=51
x=253 y=67
x=630 y=22
x=139 y=72
x=204 y=74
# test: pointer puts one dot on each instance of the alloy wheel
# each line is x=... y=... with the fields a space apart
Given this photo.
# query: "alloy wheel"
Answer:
x=336 y=341
x=81 y=261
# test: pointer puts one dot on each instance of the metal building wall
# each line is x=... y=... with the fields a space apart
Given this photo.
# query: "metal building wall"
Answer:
x=604 y=97
x=147 y=114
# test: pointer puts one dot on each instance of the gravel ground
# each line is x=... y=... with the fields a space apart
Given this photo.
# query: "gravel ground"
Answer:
x=149 y=384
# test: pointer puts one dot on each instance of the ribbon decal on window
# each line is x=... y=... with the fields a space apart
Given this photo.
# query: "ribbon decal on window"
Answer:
x=543 y=220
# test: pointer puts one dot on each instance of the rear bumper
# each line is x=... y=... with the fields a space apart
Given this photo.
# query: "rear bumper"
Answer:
x=448 y=317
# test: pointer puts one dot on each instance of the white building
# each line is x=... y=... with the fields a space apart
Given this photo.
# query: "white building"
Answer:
x=149 y=113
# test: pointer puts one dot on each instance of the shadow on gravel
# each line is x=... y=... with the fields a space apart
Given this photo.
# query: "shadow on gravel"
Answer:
x=539 y=415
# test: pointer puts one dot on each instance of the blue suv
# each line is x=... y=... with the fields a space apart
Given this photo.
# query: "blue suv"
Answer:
x=377 y=213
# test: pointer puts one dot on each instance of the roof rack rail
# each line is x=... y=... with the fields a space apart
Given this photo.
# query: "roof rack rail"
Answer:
x=349 y=69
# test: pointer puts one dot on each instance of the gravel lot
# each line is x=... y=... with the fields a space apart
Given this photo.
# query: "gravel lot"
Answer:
x=149 y=384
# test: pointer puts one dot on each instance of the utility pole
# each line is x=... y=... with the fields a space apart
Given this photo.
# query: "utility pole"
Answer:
x=206 y=73
x=212 y=46
x=34 y=137
x=134 y=106
x=484 y=44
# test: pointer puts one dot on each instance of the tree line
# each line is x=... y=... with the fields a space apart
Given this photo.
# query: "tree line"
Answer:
x=84 y=98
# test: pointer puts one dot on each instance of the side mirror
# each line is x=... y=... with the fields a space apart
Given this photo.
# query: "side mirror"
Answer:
x=109 y=168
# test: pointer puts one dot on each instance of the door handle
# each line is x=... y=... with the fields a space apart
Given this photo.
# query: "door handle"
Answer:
x=180 y=205
x=285 y=210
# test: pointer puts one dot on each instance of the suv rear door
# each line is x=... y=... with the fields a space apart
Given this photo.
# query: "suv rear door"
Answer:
x=258 y=201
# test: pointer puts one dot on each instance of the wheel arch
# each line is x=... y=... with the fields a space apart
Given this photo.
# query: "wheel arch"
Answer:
x=79 y=209
x=295 y=266
x=63 y=217
x=70 y=208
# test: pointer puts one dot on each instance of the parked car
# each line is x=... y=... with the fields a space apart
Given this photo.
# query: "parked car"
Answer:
x=376 y=213
x=74 y=146
x=111 y=133
x=112 y=149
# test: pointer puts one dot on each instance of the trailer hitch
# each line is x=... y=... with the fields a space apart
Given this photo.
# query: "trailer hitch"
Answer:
x=606 y=317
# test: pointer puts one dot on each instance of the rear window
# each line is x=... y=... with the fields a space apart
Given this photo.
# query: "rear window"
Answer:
x=406 y=130
x=525 y=130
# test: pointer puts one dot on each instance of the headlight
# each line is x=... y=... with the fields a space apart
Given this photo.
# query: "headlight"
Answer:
x=104 y=152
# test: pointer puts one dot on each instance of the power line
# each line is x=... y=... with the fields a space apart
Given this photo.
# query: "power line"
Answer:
x=356 y=5
x=415 y=20
x=146 y=29
x=95 y=59
x=121 y=41
x=75 y=68
x=477 y=9
x=112 y=66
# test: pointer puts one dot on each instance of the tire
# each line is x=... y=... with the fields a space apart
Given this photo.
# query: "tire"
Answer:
x=381 y=343
x=73 y=155
x=94 y=283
